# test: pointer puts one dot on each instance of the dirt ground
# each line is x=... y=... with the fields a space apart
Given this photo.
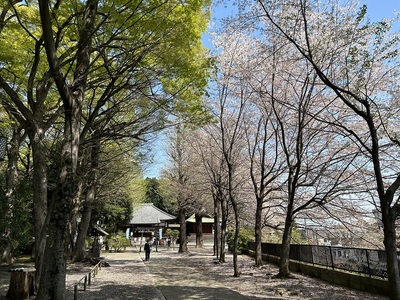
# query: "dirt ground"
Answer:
x=196 y=275
x=253 y=283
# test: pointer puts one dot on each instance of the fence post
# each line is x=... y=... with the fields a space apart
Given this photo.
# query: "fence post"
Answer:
x=89 y=278
x=369 y=267
x=85 y=282
x=333 y=265
x=312 y=254
x=75 y=292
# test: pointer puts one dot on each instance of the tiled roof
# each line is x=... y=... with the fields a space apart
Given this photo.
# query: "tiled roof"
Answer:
x=204 y=220
x=147 y=213
x=97 y=231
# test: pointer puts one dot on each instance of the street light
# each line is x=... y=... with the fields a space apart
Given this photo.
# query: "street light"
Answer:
x=3 y=147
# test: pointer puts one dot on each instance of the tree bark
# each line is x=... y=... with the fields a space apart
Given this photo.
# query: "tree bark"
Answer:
x=11 y=184
x=224 y=221
x=182 y=233
x=284 y=270
x=52 y=281
x=83 y=227
x=22 y=285
x=390 y=242
x=199 y=231
x=40 y=188
x=79 y=249
x=236 y=271
x=216 y=228
x=258 y=233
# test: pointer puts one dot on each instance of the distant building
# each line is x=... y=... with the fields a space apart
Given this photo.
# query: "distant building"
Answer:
x=148 y=221
x=207 y=225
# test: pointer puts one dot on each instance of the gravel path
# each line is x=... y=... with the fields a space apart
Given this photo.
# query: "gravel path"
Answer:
x=178 y=277
x=127 y=278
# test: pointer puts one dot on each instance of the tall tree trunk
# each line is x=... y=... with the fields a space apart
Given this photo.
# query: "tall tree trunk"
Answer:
x=390 y=242
x=40 y=197
x=236 y=271
x=11 y=184
x=199 y=231
x=79 y=249
x=284 y=271
x=73 y=222
x=224 y=221
x=216 y=227
x=83 y=227
x=52 y=280
x=182 y=233
x=258 y=233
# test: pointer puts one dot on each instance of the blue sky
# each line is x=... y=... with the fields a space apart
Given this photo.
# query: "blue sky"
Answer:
x=378 y=10
x=153 y=170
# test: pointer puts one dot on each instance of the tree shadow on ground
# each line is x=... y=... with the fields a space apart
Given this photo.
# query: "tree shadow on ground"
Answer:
x=204 y=293
x=126 y=292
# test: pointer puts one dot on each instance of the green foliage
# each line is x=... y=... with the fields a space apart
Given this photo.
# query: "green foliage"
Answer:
x=119 y=191
x=272 y=236
x=155 y=192
x=298 y=237
x=153 y=46
x=246 y=234
x=118 y=242
x=113 y=213
x=169 y=193
x=173 y=233
x=147 y=60
x=16 y=46
x=20 y=221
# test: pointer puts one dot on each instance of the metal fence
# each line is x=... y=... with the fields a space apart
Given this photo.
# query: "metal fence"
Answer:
x=365 y=261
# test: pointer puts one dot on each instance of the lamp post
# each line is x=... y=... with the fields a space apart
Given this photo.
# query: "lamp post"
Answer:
x=3 y=147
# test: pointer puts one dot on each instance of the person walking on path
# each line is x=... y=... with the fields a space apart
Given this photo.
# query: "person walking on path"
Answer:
x=147 y=250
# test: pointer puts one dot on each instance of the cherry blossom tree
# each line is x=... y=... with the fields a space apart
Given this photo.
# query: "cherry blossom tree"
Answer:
x=310 y=161
x=358 y=62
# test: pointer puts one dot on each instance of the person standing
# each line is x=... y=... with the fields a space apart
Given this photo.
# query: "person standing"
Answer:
x=147 y=249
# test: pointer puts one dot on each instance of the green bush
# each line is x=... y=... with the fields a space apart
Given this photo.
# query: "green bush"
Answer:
x=173 y=233
x=246 y=234
x=118 y=242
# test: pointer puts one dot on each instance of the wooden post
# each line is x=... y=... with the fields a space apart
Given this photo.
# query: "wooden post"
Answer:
x=22 y=284
x=75 y=292
x=85 y=282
